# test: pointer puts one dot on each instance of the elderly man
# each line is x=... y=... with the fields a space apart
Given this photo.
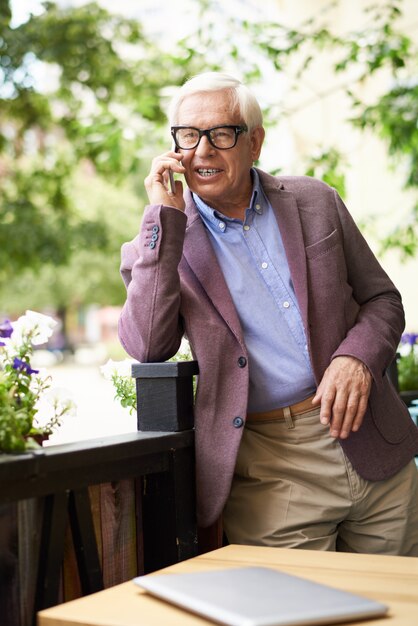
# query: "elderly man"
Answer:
x=301 y=440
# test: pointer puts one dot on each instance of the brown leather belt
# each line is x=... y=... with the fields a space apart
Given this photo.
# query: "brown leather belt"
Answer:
x=279 y=414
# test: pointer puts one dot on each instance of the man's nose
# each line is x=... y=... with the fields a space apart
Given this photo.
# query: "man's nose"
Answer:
x=205 y=147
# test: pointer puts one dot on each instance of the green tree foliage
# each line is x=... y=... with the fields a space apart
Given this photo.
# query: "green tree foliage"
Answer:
x=376 y=50
x=90 y=275
x=100 y=117
x=99 y=110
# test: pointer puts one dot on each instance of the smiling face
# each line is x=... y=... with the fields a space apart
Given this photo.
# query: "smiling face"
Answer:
x=220 y=177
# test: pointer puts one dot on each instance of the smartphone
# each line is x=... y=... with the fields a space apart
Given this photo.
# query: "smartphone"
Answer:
x=172 y=182
x=171 y=174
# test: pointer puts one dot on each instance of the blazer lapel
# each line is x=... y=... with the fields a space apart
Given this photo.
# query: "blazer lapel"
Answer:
x=202 y=260
x=287 y=214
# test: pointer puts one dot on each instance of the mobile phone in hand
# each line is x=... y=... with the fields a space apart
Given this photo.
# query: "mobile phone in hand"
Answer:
x=171 y=174
x=172 y=182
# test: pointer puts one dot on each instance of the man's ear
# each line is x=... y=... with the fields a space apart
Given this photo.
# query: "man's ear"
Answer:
x=256 y=139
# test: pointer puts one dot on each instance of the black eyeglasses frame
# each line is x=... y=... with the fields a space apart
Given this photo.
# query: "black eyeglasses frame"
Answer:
x=238 y=129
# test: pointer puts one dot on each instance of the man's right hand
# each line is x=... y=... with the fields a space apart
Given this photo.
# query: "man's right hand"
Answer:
x=157 y=182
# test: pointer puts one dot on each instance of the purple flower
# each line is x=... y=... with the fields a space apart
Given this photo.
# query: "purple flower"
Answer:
x=6 y=330
x=22 y=366
x=410 y=338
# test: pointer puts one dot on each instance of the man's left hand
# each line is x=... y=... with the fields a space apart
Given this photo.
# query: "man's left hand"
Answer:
x=343 y=394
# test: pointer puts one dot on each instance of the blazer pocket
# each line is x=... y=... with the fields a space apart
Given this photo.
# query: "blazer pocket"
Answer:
x=324 y=245
x=389 y=414
x=328 y=285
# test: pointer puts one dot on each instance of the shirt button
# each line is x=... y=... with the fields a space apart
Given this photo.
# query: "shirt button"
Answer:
x=242 y=361
x=286 y=304
x=264 y=265
x=246 y=227
x=238 y=422
x=221 y=225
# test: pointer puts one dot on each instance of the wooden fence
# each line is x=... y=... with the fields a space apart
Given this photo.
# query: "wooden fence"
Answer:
x=80 y=517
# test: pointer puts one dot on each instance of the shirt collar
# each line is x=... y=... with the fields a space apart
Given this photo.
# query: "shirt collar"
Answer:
x=218 y=220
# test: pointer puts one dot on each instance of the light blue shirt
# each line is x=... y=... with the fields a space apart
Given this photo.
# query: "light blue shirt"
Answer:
x=253 y=260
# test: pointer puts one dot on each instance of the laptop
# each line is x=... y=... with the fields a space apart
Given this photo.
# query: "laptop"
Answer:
x=259 y=596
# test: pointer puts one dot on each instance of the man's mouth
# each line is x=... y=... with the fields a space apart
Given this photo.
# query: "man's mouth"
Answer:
x=207 y=171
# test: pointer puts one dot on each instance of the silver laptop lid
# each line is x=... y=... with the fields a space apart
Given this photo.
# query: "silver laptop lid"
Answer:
x=259 y=596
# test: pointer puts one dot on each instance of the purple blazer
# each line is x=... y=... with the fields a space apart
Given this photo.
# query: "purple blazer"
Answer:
x=348 y=305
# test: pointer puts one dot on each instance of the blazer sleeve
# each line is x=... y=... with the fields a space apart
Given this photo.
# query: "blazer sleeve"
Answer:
x=375 y=336
x=150 y=327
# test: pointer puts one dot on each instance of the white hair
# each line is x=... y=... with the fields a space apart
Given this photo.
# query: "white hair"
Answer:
x=241 y=96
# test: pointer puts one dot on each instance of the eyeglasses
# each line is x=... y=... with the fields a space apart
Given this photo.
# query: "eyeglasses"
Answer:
x=220 y=137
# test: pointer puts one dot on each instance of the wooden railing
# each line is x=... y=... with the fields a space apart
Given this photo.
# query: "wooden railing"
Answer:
x=79 y=517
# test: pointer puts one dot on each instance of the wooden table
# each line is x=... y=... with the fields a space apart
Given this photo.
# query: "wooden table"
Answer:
x=388 y=579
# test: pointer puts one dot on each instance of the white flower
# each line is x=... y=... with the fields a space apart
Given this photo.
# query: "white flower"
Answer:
x=53 y=405
x=36 y=325
x=404 y=349
x=120 y=368
x=41 y=380
x=58 y=396
x=45 y=408
x=44 y=412
x=185 y=349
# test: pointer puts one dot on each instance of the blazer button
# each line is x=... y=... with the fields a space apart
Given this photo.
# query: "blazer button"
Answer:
x=242 y=361
x=152 y=244
x=155 y=229
x=238 y=422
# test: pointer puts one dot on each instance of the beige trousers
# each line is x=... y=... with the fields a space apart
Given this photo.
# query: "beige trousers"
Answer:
x=294 y=487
